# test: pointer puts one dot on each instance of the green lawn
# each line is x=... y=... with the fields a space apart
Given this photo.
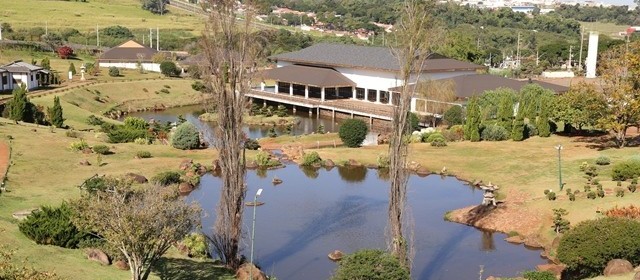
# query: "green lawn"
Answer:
x=84 y=16
x=607 y=28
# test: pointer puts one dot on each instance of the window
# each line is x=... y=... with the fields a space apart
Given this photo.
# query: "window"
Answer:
x=5 y=80
x=384 y=97
x=359 y=93
x=283 y=87
x=371 y=95
x=31 y=77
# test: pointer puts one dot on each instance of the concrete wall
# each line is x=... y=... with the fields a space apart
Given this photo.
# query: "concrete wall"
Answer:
x=153 y=67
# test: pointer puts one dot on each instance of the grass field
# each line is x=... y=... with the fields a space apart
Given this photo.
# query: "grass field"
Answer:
x=84 y=16
x=607 y=28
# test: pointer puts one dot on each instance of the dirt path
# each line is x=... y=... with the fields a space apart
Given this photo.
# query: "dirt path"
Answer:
x=4 y=159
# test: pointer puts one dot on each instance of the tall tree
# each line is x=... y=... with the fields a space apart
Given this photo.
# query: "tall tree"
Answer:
x=505 y=112
x=583 y=105
x=231 y=52
x=518 y=131
x=19 y=105
x=416 y=35
x=72 y=68
x=56 y=113
x=472 y=122
x=142 y=223
x=45 y=63
x=620 y=68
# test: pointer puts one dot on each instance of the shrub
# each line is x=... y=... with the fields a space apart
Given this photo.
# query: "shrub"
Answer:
x=559 y=222
x=455 y=133
x=619 y=192
x=65 y=52
x=263 y=159
x=583 y=166
x=79 y=145
x=169 y=69
x=433 y=137
x=252 y=144
x=600 y=193
x=587 y=188
x=626 y=170
x=371 y=265
x=135 y=123
x=632 y=187
x=572 y=197
x=538 y=275
x=186 y=137
x=71 y=133
x=551 y=196
x=311 y=158
x=591 y=195
x=602 y=160
x=198 y=86
x=353 y=132
x=197 y=245
x=114 y=72
x=93 y=120
x=101 y=149
x=53 y=226
x=494 y=133
x=320 y=129
x=454 y=116
x=414 y=122
x=272 y=132
x=281 y=111
x=383 y=161
x=628 y=212
x=143 y=154
x=141 y=141
x=439 y=142
x=166 y=178
x=530 y=130
x=587 y=247
x=121 y=134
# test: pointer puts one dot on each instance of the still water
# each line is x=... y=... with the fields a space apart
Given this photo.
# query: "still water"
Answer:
x=314 y=212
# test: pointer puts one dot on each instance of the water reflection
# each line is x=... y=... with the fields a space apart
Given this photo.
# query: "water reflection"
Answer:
x=352 y=174
x=310 y=171
x=487 y=241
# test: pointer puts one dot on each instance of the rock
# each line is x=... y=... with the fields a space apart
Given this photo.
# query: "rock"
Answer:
x=185 y=164
x=353 y=162
x=423 y=171
x=532 y=241
x=516 y=239
x=23 y=214
x=98 y=256
x=251 y=165
x=556 y=269
x=329 y=163
x=84 y=162
x=122 y=265
x=637 y=276
x=87 y=151
x=335 y=255
x=316 y=165
x=413 y=166
x=185 y=188
x=243 y=272
x=137 y=178
x=617 y=267
x=201 y=170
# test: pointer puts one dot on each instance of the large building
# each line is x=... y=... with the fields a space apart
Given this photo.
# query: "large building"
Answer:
x=130 y=55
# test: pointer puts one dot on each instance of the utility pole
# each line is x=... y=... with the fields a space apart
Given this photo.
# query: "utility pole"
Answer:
x=151 y=38
x=46 y=28
x=157 y=38
x=0 y=32
x=581 y=43
x=97 y=35
x=537 y=58
x=570 y=56
x=518 y=51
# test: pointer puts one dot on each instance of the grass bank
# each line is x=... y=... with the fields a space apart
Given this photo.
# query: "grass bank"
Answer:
x=254 y=120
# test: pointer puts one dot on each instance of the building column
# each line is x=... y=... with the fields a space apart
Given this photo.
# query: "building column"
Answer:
x=306 y=92
x=291 y=89
x=322 y=94
x=262 y=85
x=276 y=88
x=366 y=94
x=354 y=93
x=377 y=96
x=390 y=97
x=413 y=104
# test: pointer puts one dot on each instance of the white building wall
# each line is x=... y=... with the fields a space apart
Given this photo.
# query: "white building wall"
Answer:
x=153 y=67
x=24 y=78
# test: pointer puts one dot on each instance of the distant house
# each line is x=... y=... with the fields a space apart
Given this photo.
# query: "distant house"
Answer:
x=130 y=55
x=18 y=73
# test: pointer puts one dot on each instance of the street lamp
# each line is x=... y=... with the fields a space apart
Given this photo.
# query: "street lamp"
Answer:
x=253 y=231
x=559 y=148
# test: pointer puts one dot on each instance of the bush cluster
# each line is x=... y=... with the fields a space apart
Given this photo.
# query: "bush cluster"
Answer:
x=372 y=265
x=166 y=178
x=353 y=132
x=186 y=137
x=114 y=72
x=263 y=159
x=626 y=170
x=53 y=226
x=143 y=154
x=79 y=145
x=494 y=133
x=311 y=158
x=197 y=245
x=587 y=248
x=132 y=129
x=93 y=120
x=101 y=149
x=252 y=144
x=602 y=160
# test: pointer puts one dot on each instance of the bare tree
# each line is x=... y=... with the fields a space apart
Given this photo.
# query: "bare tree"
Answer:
x=438 y=97
x=415 y=36
x=142 y=224
x=231 y=52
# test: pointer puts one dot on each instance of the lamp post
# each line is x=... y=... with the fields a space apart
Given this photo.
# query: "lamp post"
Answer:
x=559 y=148
x=253 y=231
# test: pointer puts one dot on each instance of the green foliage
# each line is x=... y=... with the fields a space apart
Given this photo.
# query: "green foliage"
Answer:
x=46 y=64
x=538 y=275
x=71 y=133
x=79 y=145
x=439 y=142
x=629 y=169
x=551 y=196
x=122 y=134
x=320 y=129
x=591 y=195
x=94 y=184
x=141 y=141
x=72 y=69
x=518 y=132
x=166 y=178
x=143 y=154
x=414 y=122
x=114 y=72
x=155 y=6
x=186 y=137
x=559 y=222
x=198 y=245
x=572 y=197
x=619 y=192
x=135 y=123
x=117 y=31
x=587 y=247
x=101 y=149
x=53 y=226
x=56 y=113
x=93 y=120
x=198 y=86
x=581 y=106
x=434 y=137
x=310 y=158
x=169 y=69
x=543 y=126
x=383 y=161
x=263 y=159
x=252 y=144
x=632 y=187
x=454 y=116
x=495 y=133
x=505 y=113
x=19 y=105
x=281 y=111
x=371 y=265
x=352 y=132
x=272 y=132
x=472 y=123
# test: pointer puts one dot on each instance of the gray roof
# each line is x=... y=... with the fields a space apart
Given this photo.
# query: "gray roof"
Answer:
x=308 y=75
x=20 y=66
x=378 y=58
x=469 y=85
x=130 y=51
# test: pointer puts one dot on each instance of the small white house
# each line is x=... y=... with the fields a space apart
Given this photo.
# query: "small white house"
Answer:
x=130 y=55
x=17 y=73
